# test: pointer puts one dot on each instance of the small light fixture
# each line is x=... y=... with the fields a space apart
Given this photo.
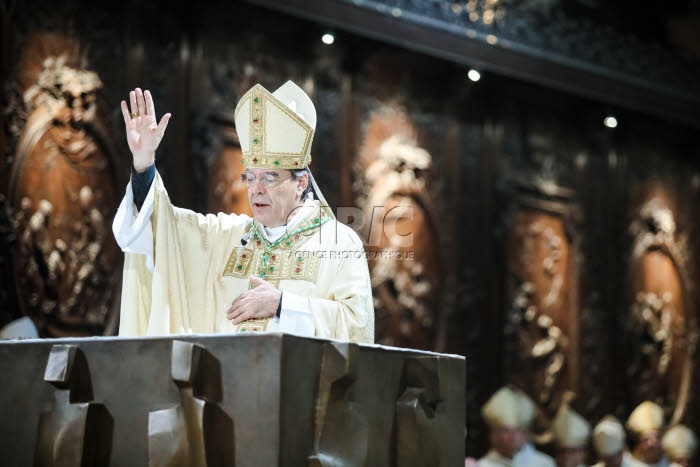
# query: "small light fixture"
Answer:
x=328 y=38
x=474 y=75
x=610 y=121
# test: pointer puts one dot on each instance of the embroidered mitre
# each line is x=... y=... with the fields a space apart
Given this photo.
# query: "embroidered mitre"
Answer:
x=276 y=129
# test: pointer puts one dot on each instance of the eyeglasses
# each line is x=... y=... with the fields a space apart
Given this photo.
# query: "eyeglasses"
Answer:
x=268 y=180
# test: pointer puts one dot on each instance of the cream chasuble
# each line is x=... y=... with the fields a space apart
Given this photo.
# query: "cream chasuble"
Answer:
x=528 y=456
x=182 y=271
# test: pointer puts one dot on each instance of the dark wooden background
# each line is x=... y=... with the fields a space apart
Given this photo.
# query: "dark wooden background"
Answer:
x=541 y=236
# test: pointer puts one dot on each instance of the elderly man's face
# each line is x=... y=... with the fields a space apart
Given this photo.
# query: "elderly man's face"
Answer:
x=507 y=440
x=649 y=447
x=273 y=195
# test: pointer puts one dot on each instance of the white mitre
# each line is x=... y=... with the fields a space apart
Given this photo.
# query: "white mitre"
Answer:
x=679 y=442
x=608 y=436
x=570 y=429
x=508 y=407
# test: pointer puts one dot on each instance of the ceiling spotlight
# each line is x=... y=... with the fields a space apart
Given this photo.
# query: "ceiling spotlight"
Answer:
x=474 y=75
x=610 y=122
x=328 y=38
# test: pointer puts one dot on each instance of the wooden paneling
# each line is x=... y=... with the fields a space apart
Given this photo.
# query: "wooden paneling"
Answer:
x=475 y=156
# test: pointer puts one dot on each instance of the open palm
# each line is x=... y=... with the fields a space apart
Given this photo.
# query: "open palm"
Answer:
x=143 y=133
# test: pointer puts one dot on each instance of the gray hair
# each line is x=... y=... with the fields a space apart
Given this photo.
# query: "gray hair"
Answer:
x=300 y=173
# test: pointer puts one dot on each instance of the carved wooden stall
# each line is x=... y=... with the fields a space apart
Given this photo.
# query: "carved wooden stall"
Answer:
x=62 y=193
x=661 y=329
x=542 y=318
x=540 y=223
x=244 y=400
x=399 y=224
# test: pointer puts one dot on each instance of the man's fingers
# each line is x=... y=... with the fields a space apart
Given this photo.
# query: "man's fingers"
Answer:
x=125 y=113
x=236 y=307
x=150 y=107
x=163 y=124
x=242 y=317
x=233 y=312
x=132 y=101
x=140 y=102
x=238 y=313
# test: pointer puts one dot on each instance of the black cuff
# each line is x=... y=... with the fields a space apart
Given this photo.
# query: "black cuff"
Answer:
x=141 y=184
x=279 y=306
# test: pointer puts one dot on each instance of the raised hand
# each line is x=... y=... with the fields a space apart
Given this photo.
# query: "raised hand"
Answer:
x=142 y=132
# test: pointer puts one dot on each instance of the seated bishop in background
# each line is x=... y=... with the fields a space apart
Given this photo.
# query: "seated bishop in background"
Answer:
x=509 y=414
x=571 y=432
x=609 y=443
x=679 y=444
x=646 y=423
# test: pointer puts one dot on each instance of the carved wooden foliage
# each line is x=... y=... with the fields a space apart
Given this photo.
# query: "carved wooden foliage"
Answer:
x=62 y=191
x=542 y=327
x=393 y=193
x=661 y=327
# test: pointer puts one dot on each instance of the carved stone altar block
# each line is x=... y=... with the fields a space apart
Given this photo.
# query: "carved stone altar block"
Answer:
x=75 y=432
x=196 y=432
x=417 y=419
x=340 y=436
x=243 y=400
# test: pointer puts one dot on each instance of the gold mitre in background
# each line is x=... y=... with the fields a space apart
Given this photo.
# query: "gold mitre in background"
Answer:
x=648 y=416
x=508 y=407
x=275 y=130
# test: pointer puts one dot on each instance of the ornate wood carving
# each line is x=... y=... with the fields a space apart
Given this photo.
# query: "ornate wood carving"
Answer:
x=661 y=325
x=543 y=261
x=393 y=174
x=537 y=41
x=540 y=262
x=62 y=192
x=542 y=269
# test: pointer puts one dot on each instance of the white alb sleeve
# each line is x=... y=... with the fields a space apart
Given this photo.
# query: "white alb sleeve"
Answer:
x=133 y=230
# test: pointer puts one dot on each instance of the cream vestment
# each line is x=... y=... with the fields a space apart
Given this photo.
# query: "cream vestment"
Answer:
x=183 y=270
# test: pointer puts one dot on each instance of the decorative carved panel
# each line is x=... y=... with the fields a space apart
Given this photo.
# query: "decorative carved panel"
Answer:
x=661 y=326
x=62 y=193
x=393 y=181
x=542 y=323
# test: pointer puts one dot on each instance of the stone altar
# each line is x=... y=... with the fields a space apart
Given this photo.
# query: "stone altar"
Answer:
x=245 y=400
